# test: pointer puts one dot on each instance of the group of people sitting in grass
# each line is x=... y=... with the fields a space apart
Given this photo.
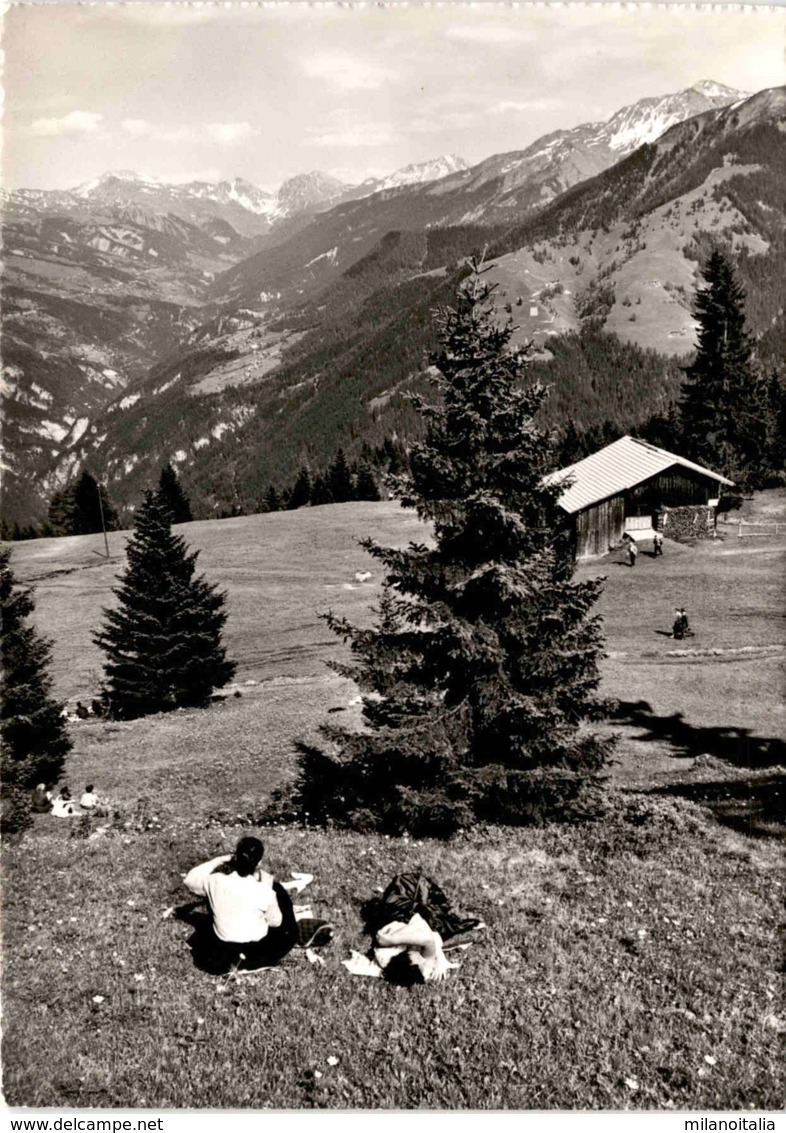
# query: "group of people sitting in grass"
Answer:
x=61 y=805
x=253 y=924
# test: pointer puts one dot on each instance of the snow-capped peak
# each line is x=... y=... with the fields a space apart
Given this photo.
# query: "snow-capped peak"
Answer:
x=88 y=187
x=418 y=173
x=646 y=120
x=711 y=89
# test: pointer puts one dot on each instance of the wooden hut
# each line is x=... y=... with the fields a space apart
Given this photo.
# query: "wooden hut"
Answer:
x=633 y=488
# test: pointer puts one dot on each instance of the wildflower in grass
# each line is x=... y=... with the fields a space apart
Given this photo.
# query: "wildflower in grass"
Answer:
x=332 y=1060
x=98 y=998
x=708 y=1058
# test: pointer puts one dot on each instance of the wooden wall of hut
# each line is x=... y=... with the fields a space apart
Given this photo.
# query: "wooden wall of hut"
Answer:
x=676 y=487
x=600 y=528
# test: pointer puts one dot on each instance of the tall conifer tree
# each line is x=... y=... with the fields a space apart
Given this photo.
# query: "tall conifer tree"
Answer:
x=340 y=479
x=481 y=671
x=365 y=484
x=722 y=420
x=163 y=640
x=301 y=491
x=83 y=508
x=171 y=495
x=33 y=737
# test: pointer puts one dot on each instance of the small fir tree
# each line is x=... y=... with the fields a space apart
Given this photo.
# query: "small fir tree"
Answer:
x=163 y=640
x=320 y=491
x=83 y=508
x=60 y=518
x=272 y=500
x=481 y=671
x=365 y=484
x=171 y=495
x=340 y=480
x=775 y=455
x=301 y=490
x=92 y=507
x=33 y=737
x=722 y=424
x=572 y=447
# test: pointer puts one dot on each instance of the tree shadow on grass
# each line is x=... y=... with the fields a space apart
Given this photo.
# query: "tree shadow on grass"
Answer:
x=755 y=804
x=737 y=746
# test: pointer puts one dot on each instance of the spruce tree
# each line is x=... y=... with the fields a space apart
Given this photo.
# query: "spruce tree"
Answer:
x=301 y=490
x=33 y=737
x=83 y=508
x=272 y=500
x=365 y=484
x=92 y=508
x=60 y=519
x=571 y=446
x=722 y=423
x=163 y=640
x=321 y=492
x=172 y=496
x=340 y=479
x=481 y=671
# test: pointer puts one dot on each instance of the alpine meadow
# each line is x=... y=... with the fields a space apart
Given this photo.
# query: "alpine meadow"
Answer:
x=393 y=540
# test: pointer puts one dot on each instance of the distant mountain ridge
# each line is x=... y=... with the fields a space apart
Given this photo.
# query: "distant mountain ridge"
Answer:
x=263 y=359
x=602 y=278
x=305 y=193
x=500 y=191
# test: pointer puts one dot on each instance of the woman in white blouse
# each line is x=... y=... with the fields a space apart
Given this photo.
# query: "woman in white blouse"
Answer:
x=253 y=922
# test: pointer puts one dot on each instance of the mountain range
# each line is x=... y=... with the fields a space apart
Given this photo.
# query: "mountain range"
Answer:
x=258 y=352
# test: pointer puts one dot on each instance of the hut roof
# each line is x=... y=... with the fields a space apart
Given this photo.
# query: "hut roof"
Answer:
x=615 y=468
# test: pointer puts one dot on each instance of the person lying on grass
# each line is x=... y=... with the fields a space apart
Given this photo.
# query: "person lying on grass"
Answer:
x=253 y=923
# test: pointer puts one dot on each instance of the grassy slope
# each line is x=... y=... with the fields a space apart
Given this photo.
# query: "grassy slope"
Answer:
x=620 y=957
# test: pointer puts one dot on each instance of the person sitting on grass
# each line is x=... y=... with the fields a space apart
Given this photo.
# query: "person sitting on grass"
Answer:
x=91 y=803
x=89 y=800
x=253 y=922
x=681 y=627
x=63 y=806
x=41 y=802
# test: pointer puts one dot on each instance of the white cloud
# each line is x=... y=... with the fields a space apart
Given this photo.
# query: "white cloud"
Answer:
x=353 y=137
x=533 y=105
x=137 y=127
x=494 y=35
x=230 y=133
x=140 y=128
x=77 y=122
x=345 y=72
x=187 y=176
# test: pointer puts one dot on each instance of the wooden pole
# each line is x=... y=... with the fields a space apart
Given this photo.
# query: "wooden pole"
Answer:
x=103 y=524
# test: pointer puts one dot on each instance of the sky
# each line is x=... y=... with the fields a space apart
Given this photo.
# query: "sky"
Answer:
x=185 y=92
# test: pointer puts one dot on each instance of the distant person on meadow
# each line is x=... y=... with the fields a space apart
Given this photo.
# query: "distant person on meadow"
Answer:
x=657 y=544
x=681 y=628
x=253 y=922
x=633 y=551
